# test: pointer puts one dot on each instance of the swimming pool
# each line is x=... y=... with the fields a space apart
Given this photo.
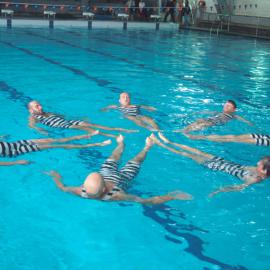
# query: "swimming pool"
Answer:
x=76 y=72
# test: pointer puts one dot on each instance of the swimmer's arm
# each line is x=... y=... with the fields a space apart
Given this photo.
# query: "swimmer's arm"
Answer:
x=149 y=108
x=17 y=162
x=230 y=189
x=57 y=180
x=108 y=108
x=243 y=120
x=120 y=196
x=32 y=124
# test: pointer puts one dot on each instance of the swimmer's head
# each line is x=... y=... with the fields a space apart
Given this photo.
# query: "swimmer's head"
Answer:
x=94 y=185
x=124 y=99
x=34 y=107
x=263 y=167
x=229 y=106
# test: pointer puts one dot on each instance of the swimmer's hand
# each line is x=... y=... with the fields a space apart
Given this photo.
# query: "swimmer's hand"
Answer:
x=4 y=137
x=43 y=132
x=106 y=109
x=53 y=173
x=22 y=162
x=149 y=108
x=104 y=143
x=180 y=195
x=230 y=189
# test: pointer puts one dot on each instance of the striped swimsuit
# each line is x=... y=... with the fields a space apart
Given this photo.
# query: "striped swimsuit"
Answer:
x=56 y=121
x=220 y=119
x=220 y=164
x=133 y=110
x=13 y=149
x=261 y=140
x=121 y=178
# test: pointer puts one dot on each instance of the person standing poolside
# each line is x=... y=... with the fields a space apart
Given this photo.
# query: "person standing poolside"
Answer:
x=37 y=115
x=110 y=183
x=221 y=118
x=248 y=174
x=13 y=149
x=133 y=112
x=253 y=138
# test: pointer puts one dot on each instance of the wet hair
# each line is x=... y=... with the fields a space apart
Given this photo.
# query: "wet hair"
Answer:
x=233 y=103
x=266 y=165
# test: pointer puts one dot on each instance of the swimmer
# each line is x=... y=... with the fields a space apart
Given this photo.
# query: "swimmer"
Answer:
x=221 y=118
x=253 y=138
x=248 y=174
x=37 y=115
x=111 y=183
x=13 y=149
x=133 y=112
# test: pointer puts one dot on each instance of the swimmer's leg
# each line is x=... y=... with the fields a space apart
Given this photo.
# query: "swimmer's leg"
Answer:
x=195 y=154
x=139 y=158
x=198 y=125
x=91 y=125
x=118 y=151
x=245 y=138
x=91 y=130
x=73 y=146
x=51 y=140
x=138 y=121
x=150 y=122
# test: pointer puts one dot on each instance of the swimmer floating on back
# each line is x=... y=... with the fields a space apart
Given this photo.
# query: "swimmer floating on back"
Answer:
x=111 y=183
x=248 y=174
x=133 y=112
x=37 y=115
x=13 y=149
x=221 y=118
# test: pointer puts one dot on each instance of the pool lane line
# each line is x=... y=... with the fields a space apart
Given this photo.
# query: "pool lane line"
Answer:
x=14 y=94
x=171 y=55
x=100 y=82
x=108 y=55
x=195 y=244
x=106 y=83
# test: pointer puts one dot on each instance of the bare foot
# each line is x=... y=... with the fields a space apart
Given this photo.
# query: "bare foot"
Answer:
x=120 y=139
x=149 y=142
x=107 y=142
x=95 y=132
x=163 y=138
x=180 y=195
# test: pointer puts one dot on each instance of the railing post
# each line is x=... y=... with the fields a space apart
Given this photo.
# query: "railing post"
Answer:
x=124 y=17
x=257 y=26
x=8 y=13
x=157 y=20
x=89 y=16
x=51 y=17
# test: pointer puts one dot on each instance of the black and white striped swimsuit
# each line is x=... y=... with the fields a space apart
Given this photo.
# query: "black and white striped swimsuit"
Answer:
x=13 y=149
x=133 y=110
x=121 y=178
x=220 y=164
x=261 y=139
x=56 y=121
x=220 y=119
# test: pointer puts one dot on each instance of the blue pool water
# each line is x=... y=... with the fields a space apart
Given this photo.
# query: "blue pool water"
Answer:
x=75 y=72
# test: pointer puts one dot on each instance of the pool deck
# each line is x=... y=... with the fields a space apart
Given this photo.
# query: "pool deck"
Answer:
x=96 y=24
x=83 y=23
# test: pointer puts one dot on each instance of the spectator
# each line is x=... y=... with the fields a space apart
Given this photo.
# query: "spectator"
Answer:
x=170 y=6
